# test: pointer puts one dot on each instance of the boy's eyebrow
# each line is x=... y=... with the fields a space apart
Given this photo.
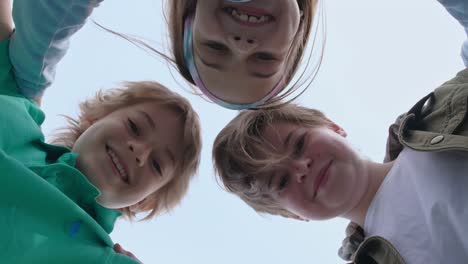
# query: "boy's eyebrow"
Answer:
x=171 y=156
x=285 y=144
x=269 y=182
x=288 y=137
x=151 y=122
x=148 y=118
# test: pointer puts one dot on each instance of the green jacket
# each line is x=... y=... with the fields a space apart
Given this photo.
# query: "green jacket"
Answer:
x=48 y=211
x=438 y=122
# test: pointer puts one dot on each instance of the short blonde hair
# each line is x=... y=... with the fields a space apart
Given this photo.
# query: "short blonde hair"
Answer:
x=131 y=93
x=243 y=158
x=179 y=10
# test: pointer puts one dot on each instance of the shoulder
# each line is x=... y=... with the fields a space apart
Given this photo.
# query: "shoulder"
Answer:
x=438 y=121
x=377 y=250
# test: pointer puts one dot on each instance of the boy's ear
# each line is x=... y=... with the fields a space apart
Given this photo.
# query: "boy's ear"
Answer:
x=143 y=206
x=299 y=218
x=339 y=130
x=293 y=216
x=90 y=121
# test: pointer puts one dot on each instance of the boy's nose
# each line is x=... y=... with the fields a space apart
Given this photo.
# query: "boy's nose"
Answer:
x=141 y=151
x=301 y=169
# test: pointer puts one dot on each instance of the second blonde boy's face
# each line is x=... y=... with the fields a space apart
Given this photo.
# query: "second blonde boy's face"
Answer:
x=131 y=153
x=324 y=177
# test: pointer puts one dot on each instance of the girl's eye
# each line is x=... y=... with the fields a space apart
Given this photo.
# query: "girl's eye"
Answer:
x=283 y=183
x=133 y=127
x=156 y=166
x=216 y=46
x=299 y=146
x=265 y=56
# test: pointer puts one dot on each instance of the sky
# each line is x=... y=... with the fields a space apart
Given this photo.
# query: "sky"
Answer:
x=380 y=58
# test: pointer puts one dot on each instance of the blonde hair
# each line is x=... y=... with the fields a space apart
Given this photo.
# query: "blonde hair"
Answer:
x=132 y=93
x=243 y=158
x=178 y=11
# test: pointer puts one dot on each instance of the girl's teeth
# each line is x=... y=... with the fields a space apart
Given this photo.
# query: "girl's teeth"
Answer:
x=253 y=19
x=248 y=18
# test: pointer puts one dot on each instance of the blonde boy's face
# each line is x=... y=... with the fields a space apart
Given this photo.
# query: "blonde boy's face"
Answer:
x=131 y=153
x=324 y=177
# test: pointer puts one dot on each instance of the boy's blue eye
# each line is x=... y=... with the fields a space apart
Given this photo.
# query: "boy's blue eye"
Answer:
x=156 y=166
x=133 y=127
x=283 y=183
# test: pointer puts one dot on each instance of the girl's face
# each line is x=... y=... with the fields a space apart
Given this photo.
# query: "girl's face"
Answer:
x=130 y=153
x=241 y=49
x=323 y=179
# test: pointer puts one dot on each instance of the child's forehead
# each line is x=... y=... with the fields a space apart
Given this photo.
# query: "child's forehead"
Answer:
x=151 y=109
x=280 y=131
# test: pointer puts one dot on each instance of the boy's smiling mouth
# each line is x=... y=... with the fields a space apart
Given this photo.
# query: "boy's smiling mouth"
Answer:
x=117 y=165
x=322 y=177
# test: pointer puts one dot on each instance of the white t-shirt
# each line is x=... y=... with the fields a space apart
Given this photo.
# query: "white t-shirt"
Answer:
x=422 y=207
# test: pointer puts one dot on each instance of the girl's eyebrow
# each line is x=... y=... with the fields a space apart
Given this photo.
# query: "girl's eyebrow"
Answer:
x=221 y=68
x=215 y=66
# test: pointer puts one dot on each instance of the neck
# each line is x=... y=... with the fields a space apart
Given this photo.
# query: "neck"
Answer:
x=376 y=173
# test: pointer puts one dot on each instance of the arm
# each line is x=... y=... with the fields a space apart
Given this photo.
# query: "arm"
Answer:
x=41 y=39
x=459 y=10
x=6 y=21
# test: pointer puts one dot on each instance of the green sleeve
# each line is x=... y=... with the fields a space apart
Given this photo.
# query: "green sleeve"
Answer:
x=34 y=220
x=7 y=81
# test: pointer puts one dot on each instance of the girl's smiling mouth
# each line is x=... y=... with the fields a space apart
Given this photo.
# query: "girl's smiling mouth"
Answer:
x=248 y=16
x=117 y=165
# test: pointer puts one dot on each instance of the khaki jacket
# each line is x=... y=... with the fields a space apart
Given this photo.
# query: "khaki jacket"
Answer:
x=438 y=122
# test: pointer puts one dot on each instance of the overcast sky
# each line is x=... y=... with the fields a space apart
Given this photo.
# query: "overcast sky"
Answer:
x=380 y=58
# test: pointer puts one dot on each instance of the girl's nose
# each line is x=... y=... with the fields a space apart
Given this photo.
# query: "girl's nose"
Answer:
x=243 y=44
